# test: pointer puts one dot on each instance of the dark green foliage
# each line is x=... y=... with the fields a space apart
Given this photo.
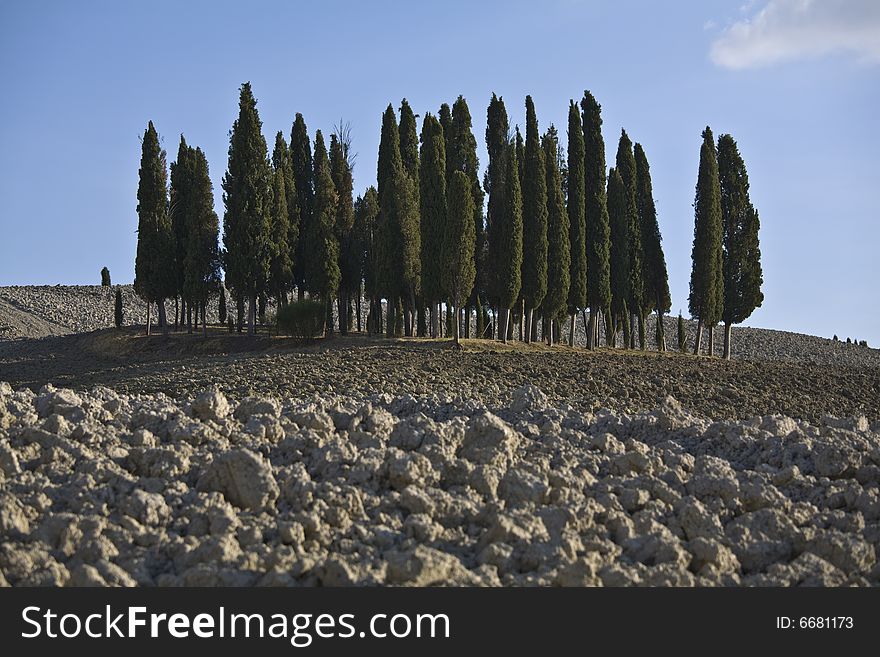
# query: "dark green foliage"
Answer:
x=350 y=260
x=201 y=265
x=596 y=210
x=682 y=335
x=180 y=190
x=154 y=271
x=520 y=156
x=558 y=247
x=366 y=211
x=117 y=310
x=221 y=305
x=510 y=235
x=626 y=167
x=303 y=173
x=302 y=319
x=105 y=277
x=577 y=235
x=248 y=199
x=457 y=254
x=741 y=267
x=656 y=279
x=620 y=267
x=534 y=267
x=432 y=196
x=706 y=298
x=322 y=263
x=281 y=266
x=409 y=142
x=445 y=118
x=281 y=161
x=497 y=140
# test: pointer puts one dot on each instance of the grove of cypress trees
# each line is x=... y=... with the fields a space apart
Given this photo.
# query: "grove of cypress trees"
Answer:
x=432 y=197
x=458 y=268
x=303 y=172
x=596 y=219
x=509 y=230
x=248 y=199
x=741 y=264
x=349 y=265
x=706 y=299
x=497 y=140
x=323 y=264
x=626 y=167
x=154 y=278
x=558 y=247
x=577 y=232
x=117 y=308
x=202 y=264
x=534 y=267
x=281 y=161
x=461 y=155
x=656 y=280
x=618 y=215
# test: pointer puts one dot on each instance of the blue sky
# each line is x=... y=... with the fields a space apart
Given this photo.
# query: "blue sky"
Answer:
x=794 y=81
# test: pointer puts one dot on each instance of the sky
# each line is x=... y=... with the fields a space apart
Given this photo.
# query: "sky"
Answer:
x=796 y=82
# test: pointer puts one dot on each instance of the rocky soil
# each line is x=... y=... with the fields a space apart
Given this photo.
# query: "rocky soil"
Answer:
x=102 y=488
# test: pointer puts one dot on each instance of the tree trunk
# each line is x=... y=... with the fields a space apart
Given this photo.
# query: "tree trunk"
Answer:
x=590 y=329
x=421 y=325
x=571 y=330
x=300 y=293
x=502 y=329
x=357 y=305
x=163 y=322
x=340 y=308
x=698 y=343
x=527 y=325
x=456 y=312
x=252 y=309
x=661 y=332
x=205 y=319
x=642 y=335
x=712 y=341
x=148 y=318
x=239 y=307
x=176 y=311
x=727 y=339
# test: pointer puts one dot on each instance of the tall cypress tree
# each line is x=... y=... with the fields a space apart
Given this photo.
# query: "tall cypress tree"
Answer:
x=432 y=196
x=409 y=157
x=741 y=264
x=558 y=247
x=510 y=237
x=323 y=266
x=280 y=265
x=618 y=214
x=706 y=298
x=497 y=141
x=534 y=267
x=155 y=279
x=596 y=218
x=366 y=216
x=248 y=199
x=577 y=235
x=341 y=171
x=202 y=263
x=656 y=295
x=303 y=172
x=181 y=174
x=626 y=167
x=462 y=156
x=445 y=118
x=459 y=238
x=281 y=161
x=520 y=156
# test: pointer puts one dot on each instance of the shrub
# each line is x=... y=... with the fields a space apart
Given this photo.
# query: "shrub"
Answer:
x=682 y=335
x=105 y=277
x=118 y=308
x=863 y=343
x=302 y=319
x=835 y=338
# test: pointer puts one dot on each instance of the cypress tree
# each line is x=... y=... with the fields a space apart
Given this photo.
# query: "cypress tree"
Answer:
x=461 y=155
x=534 y=267
x=445 y=118
x=432 y=197
x=349 y=265
x=558 y=247
x=626 y=166
x=510 y=237
x=366 y=217
x=409 y=156
x=458 y=268
x=520 y=156
x=181 y=181
x=741 y=263
x=656 y=280
x=105 y=277
x=618 y=214
x=682 y=335
x=117 y=310
x=221 y=305
x=202 y=264
x=154 y=271
x=497 y=141
x=303 y=172
x=596 y=219
x=706 y=298
x=323 y=265
x=248 y=199
x=281 y=161
x=388 y=248
x=281 y=266
x=577 y=236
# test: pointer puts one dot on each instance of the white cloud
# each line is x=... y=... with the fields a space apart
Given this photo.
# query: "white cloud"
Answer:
x=786 y=30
